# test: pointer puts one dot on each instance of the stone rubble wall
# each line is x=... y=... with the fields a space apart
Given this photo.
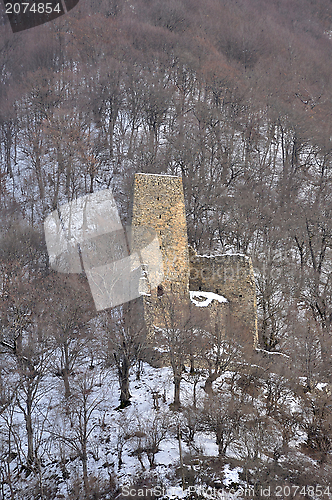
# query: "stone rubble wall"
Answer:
x=231 y=276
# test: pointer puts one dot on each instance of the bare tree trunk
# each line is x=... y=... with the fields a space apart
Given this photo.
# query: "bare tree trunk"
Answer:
x=39 y=176
x=220 y=443
x=66 y=370
x=29 y=428
x=177 y=382
x=194 y=394
x=208 y=383
x=124 y=382
x=65 y=375
x=85 y=468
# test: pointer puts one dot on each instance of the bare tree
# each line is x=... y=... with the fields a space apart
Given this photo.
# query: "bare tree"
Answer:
x=221 y=415
x=175 y=336
x=148 y=433
x=79 y=412
x=70 y=308
x=316 y=420
x=126 y=342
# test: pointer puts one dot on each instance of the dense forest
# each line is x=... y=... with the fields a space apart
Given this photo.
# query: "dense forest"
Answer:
x=235 y=97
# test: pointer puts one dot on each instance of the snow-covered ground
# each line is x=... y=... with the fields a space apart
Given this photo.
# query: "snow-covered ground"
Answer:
x=111 y=431
x=114 y=435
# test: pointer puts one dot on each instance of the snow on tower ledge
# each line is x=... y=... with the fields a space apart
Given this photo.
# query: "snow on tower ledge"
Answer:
x=204 y=299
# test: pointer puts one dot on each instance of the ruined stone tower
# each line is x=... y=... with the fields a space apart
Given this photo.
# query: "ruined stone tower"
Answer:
x=158 y=203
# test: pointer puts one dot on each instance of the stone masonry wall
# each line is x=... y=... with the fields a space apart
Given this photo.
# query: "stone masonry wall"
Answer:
x=231 y=276
x=159 y=203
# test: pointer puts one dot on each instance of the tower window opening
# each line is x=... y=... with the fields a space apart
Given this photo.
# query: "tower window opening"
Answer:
x=160 y=291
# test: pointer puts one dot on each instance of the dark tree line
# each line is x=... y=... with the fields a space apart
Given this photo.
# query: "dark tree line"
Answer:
x=235 y=98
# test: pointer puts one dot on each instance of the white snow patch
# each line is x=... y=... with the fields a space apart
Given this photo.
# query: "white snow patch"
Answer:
x=231 y=476
x=159 y=175
x=204 y=299
x=322 y=385
x=207 y=442
x=272 y=352
x=246 y=257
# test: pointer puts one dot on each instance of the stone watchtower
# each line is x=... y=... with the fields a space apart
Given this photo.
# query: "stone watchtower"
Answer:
x=158 y=204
